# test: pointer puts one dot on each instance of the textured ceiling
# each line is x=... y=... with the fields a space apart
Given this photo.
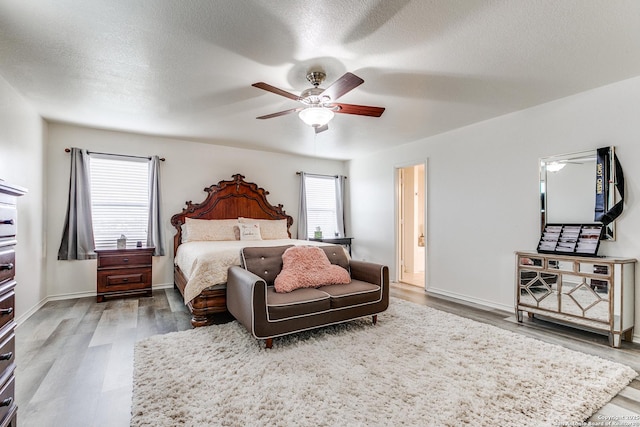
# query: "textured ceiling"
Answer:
x=184 y=69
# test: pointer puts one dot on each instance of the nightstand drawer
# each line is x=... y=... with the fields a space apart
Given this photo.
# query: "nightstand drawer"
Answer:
x=8 y=215
x=124 y=280
x=124 y=260
x=7 y=264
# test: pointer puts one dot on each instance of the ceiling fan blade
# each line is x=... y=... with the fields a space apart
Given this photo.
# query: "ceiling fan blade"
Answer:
x=281 y=113
x=273 y=89
x=321 y=128
x=343 y=85
x=361 y=110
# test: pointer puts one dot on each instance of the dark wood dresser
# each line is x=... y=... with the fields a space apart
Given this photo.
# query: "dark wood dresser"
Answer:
x=123 y=272
x=8 y=240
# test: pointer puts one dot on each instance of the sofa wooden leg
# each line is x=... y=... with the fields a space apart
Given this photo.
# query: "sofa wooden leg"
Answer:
x=375 y=319
x=268 y=343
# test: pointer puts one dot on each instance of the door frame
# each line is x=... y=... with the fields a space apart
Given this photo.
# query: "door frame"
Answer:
x=398 y=226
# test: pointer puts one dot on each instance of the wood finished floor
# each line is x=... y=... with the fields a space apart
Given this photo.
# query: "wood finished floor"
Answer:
x=75 y=357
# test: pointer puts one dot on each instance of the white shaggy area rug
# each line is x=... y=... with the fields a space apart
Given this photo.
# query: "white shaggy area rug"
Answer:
x=417 y=367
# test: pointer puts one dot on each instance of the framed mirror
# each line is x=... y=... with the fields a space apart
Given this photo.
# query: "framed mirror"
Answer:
x=568 y=189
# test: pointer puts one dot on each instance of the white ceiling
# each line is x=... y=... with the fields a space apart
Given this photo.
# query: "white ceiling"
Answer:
x=184 y=69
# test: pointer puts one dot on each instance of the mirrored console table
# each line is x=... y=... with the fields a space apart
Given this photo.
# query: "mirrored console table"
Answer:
x=596 y=294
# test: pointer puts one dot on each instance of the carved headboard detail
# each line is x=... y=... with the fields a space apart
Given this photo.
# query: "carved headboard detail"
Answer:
x=230 y=200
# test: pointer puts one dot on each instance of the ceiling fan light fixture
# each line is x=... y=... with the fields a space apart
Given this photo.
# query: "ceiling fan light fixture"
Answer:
x=316 y=116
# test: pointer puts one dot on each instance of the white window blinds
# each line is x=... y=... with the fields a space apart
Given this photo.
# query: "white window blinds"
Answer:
x=321 y=205
x=119 y=199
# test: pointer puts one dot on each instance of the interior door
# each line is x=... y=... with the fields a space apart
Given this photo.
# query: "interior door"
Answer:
x=411 y=224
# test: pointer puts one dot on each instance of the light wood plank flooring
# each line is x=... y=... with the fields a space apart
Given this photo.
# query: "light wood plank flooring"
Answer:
x=75 y=357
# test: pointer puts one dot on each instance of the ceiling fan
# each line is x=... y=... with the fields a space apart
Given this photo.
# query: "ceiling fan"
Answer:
x=319 y=104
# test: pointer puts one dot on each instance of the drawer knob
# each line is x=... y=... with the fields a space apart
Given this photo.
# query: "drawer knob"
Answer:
x=6 y=356
x=4 y=311
x=7 y=402
x=125 y=260
x=125 y=280
x=7 y=221
x=8 y=266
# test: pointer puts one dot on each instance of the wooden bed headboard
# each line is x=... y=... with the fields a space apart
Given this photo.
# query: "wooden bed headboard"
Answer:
x=230 y=200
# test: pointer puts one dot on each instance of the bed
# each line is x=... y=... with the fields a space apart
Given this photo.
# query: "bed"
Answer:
x=200 y=265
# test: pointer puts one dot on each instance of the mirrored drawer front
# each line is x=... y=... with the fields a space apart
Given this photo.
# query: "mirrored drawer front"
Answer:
x=123 y=260
x=7 y=347
x=7 y=397
x=8 y=215
x=7 y=264
x=7 y=306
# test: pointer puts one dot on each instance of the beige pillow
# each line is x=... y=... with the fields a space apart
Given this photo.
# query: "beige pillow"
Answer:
x=210 y=229
x=270 y=229
x=249 y=231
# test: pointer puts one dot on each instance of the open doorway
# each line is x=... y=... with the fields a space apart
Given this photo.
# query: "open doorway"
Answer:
x=411 y=225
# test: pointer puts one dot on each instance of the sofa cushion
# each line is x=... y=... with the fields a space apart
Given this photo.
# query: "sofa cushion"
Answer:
x=308 y=267
x=336 y=255
x=265 y=262
x=301 y=302
x=356 y=292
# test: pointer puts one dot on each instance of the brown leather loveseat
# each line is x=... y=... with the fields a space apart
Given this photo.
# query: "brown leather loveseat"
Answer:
x=252 y=300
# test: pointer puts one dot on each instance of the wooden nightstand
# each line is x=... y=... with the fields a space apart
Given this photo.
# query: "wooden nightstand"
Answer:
x=344 y=241
x=123 y=272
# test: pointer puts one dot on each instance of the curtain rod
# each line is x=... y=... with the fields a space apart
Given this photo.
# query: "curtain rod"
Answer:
x=317 y=174
x=68 y=150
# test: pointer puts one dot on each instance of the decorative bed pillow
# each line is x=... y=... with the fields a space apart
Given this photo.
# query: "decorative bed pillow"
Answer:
x=308 y=267
x=209 y=229
x=270 y=229
x=236 y=232
x=249 y=231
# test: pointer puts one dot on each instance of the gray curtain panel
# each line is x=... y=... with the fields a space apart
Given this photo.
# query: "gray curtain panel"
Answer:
x=340 y=180
x=302 y=211
x=155 y=236
x=77 y=237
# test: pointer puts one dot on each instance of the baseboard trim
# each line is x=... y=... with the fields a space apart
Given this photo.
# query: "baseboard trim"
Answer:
x=466 y=299
x=72 y=295
x=484 y=304
x=31 y=311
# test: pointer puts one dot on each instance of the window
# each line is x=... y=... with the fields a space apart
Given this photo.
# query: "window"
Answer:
x=119 y=199
x=321 y=205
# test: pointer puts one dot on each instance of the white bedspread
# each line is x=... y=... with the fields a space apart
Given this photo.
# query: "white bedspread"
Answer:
x=205 y=264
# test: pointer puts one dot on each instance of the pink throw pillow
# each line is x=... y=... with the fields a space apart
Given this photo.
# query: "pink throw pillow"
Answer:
x=308 y=267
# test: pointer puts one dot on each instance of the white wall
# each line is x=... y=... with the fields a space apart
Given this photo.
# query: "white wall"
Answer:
x=189 y=168
x=21 y=163
x=483 y=194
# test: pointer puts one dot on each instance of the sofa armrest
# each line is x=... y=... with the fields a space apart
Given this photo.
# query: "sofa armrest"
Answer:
x=377 y=274
x=246 y=296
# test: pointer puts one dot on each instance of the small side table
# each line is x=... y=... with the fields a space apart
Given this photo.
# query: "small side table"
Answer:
x=123 y=272
x=344 y=241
